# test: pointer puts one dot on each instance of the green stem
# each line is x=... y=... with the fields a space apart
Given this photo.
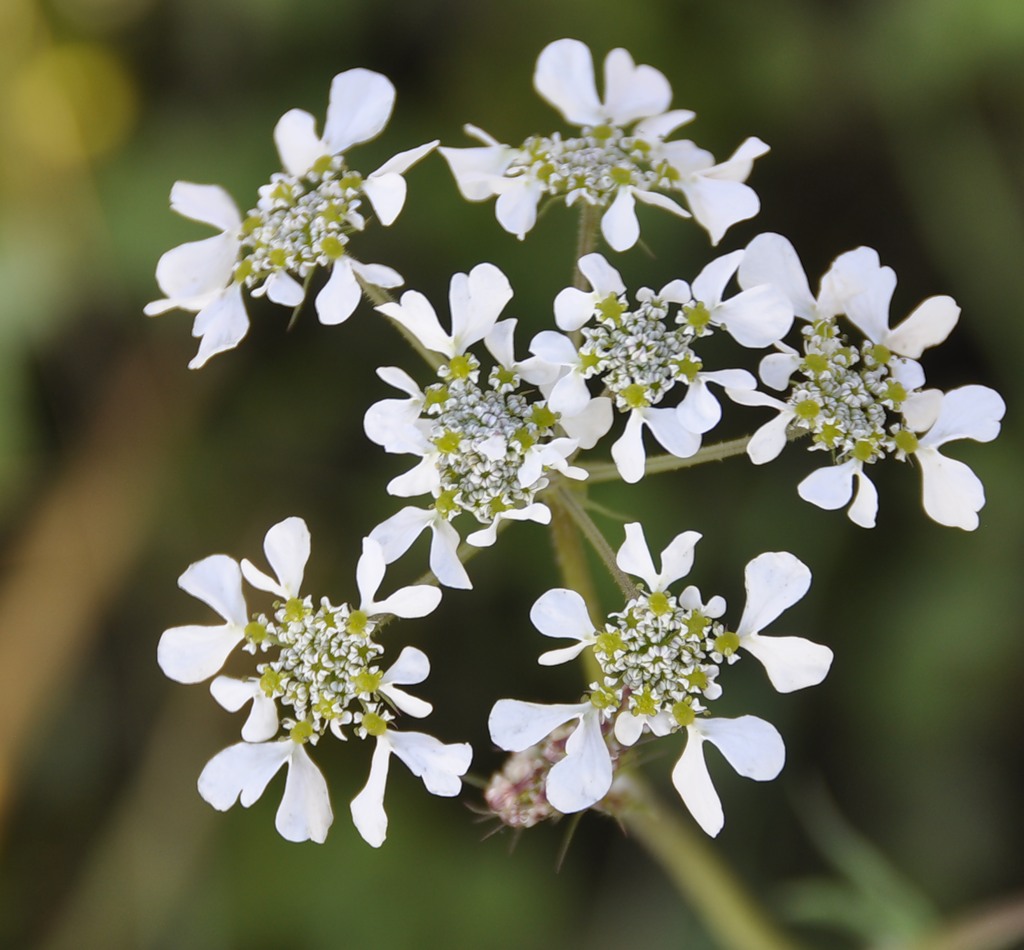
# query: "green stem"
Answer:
x=731 y=914
x=607 y=472
x=377 y=296
x=586 y=240
x=570 y=503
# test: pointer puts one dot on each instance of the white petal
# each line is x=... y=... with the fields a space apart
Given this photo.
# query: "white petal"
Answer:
x=410 y=705
x=564 y=655
x=588 y=426
x=768 y=442
x=339 y=297
x=369 y=573
x=208 y=204
x=555 y=347
x=287 y=549
x=387 y=196
x=192 y=654
x=478 y=171
x=674 y=437
x=305 y=812
x=474 y=313
x=757 y=317
x=570 y=395
x=628 y=451
x=193 y=274
x=628 y=728
x=217 y=581
x=700 y=411
x=952 y=494
x=398 y=533
x=573 y=308
x=921 y=409
x=367 y=807
x=771 y=259
x=233 y=694
x=419 y=480
x=440 y=765
x=284 y=290
x=619 y=223
x=500 y=343
x=776 y=369
x=661 y=126
x=401 y=162
x=515 y=725
x=516 y=207
x=970 y=412
x=692 y=781
x=297 y=142
x=658 y=200
x=562 y=613
x=415 y=313
x=791 y=662
x=221 y=325
x=379 y=275
x=709 y=285
x=750 y=745
x=564 y=76
x=242 y=771
x=929 y=324
x=634 y=556
x=584 y=776
x=444 y=556
x=865 y=503
x=410 y=602
x=604 y=278
x=677 y=558
x=830 y=487
x=774 y=581
x=360 y=106
x=633 y=92
x=718 y=204
x=412 y=666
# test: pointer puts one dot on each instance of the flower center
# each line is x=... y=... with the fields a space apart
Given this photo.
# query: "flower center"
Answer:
x=638 y=356
x=483 y=437
x=657 y=656
x=591 y=166
x=848 y=399
x=327 y=664
x=301 y=221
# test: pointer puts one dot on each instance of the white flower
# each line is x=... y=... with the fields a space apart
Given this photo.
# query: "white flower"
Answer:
x=750 y=745
x=304 y=219
x=286 y=546
x=243 y=771
x=233 y=694
x=193 y=653
x=439 y=765
x=619 y=158
x=398 y=533
x=952 y=494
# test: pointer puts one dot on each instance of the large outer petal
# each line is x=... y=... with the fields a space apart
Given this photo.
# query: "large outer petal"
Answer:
x=561 y=612
x=242 y=772
x=478 y=170
x=693 y=782
x=516 y=207
x=287 y=546
x=195 y=273
x=619 y=223
x=217 y=581
x=194 y=653
x=952 y=494
x=970 y=412
x=633 y=92
x=584 y=776
x=297 y=142
x=417 y=315
x=791 y=662
x=515 y=725
x=221 y=325
x=360 y=106
x=772 y=259
x=440 y=765
x=750 y=745
x=208 y=204
x=774 y=581
x=930 y=323
x=305 y=811
x=339 y=297
x=628 y=451
x=757 y=317
x=367 y=807
x=477 y=299
x=564 y=76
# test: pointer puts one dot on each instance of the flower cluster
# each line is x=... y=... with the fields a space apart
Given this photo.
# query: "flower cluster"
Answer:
x=863 y=402
x=304 y=220
x=622 y=154
x=325 y=676
x=659 y=660
x=499 y=439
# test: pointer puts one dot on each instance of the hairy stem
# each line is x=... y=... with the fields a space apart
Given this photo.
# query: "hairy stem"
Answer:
x=570 y=503
x=731 y=914
x=607 y=472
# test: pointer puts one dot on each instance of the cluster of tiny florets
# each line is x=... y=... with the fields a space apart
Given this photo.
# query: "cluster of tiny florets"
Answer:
x=637 y=353
x=477 y=477
x=590 y=167
x=848 y=399
x=301 y=221
x=327 y=664
x=657 y=656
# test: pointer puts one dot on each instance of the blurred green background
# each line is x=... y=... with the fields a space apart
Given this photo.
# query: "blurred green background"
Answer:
x=898 y=124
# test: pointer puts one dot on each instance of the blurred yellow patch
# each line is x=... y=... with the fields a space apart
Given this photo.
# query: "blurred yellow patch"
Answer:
x=69 y=104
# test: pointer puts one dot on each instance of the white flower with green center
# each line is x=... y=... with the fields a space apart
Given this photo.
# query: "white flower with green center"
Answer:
x=321 y=671
x=858 y=402
x=640 y=352
x=660 y=658
x=619 y=157
x=304 y=220
x=485 y=448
